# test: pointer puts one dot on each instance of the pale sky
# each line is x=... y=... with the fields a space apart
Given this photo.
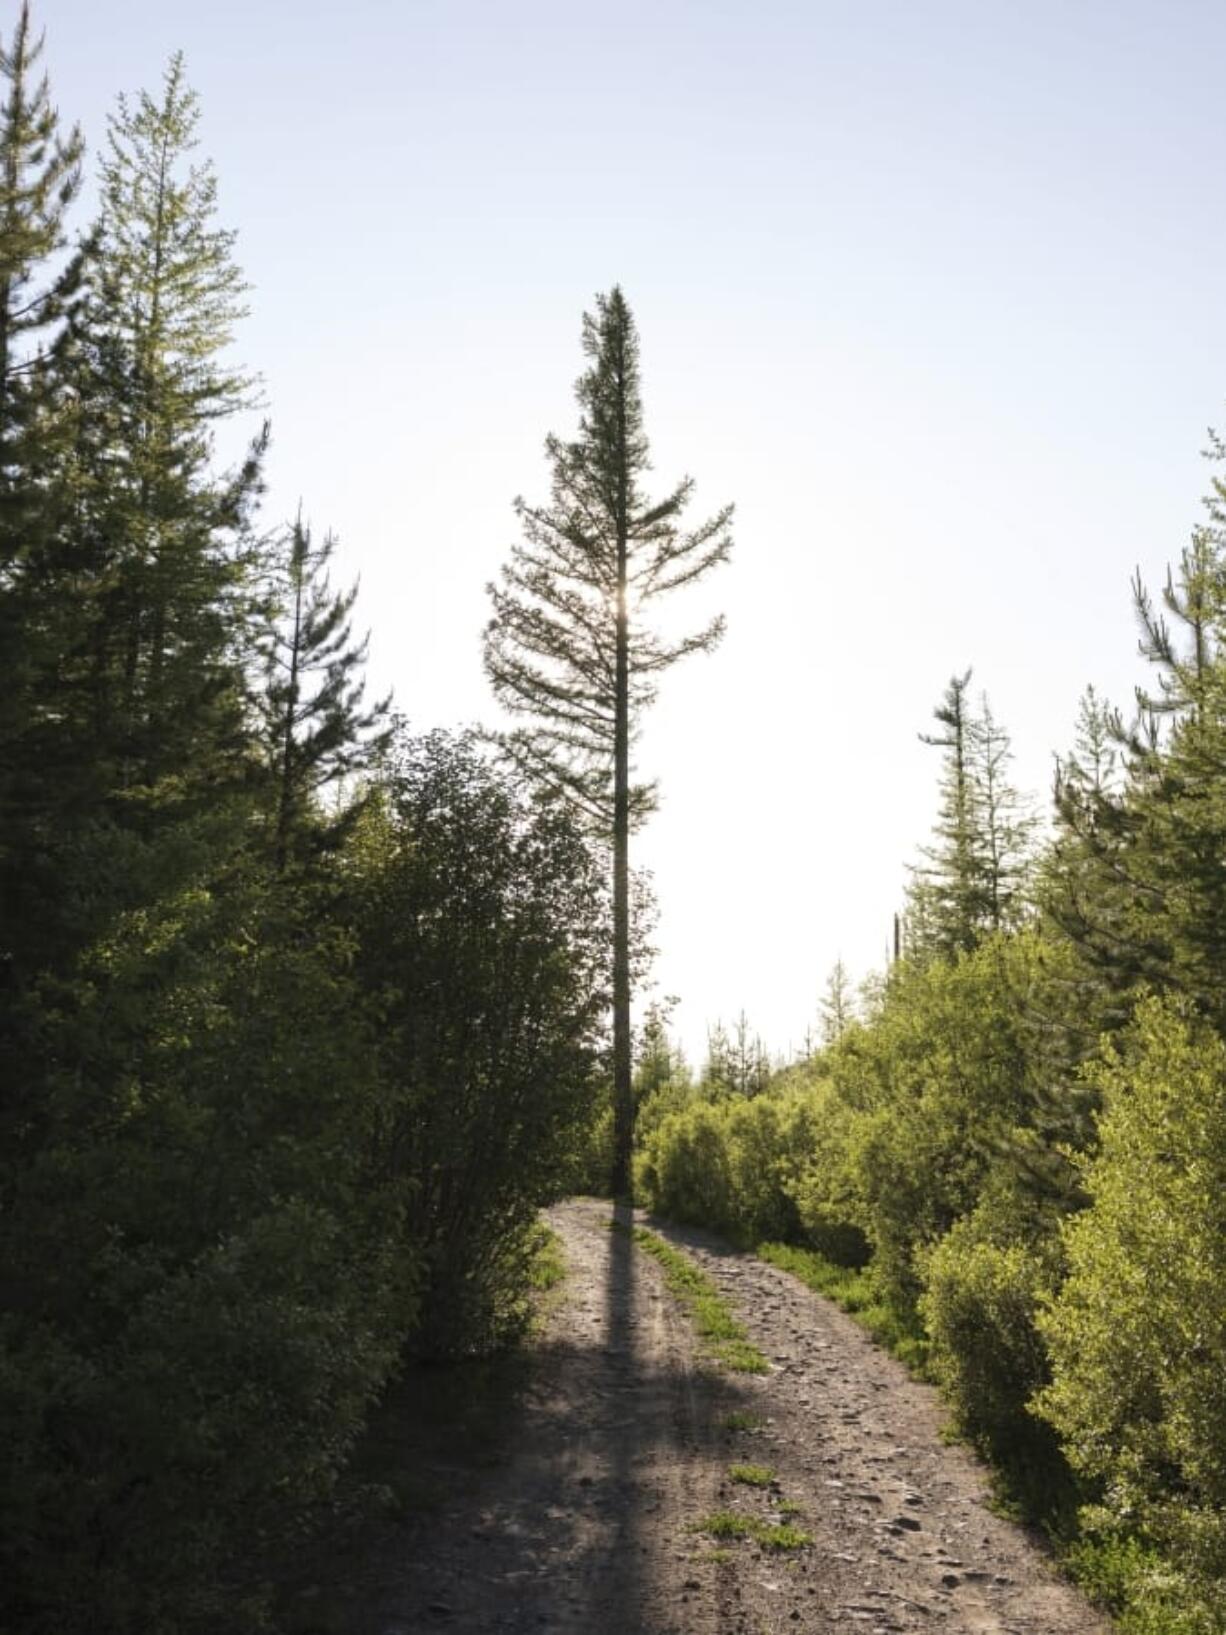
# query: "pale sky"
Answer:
x=933 y=292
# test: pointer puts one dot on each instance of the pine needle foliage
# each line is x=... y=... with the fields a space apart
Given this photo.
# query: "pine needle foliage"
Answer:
x=317 y=731
x=568 y=645
x=40 y=176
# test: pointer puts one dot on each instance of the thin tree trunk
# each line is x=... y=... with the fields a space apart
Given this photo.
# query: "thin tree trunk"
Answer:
x=285 y=803
x=623 y=1097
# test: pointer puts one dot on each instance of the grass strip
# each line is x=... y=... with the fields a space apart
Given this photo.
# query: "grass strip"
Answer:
x=725 y=1339
x=548 y=1267
x=853 y=1290
x=771 y=1536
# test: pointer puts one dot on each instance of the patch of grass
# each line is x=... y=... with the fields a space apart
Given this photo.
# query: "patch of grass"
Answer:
x=715 y=1555
x=771 y=1536
x=789 y=1507
x=725 y=1339
x=853 y=1289
x=740 y=1420
x=752 y=1475
x=727 y=1524
x=548 y=1261
x=783 y=1537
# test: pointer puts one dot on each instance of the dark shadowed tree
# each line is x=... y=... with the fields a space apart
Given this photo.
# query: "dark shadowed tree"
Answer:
x=40 y=174
x=317 y=730
x=166 y=297
x=568 y=645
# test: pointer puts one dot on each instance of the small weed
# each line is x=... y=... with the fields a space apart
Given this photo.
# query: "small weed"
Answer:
x=716 y=1555
x=789 y=1507
x=724 y=1337
x=742 y=1421
x=752 y=1475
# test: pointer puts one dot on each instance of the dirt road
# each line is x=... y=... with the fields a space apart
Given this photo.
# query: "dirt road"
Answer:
x=586 y=1520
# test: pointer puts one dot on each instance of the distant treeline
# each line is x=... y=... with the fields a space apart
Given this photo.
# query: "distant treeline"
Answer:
x=299 y=1013
x=1011 y=1153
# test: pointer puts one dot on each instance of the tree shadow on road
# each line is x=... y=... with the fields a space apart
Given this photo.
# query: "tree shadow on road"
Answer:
x=531 y=1493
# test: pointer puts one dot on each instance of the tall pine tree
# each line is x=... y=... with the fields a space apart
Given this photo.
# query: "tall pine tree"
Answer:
x=568 y=645
x=171 y=528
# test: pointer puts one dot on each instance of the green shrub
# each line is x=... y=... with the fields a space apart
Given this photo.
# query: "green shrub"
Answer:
x=207 y=1286
x=729 y=1164
x=983 y=1285
x=683 y=1169
x=820 y=1183
x=1137 y=1332
x=481 y=916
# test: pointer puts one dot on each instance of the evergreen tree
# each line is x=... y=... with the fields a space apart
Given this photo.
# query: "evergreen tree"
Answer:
x=719 y=1069
x=170 y=531
x=1005 y=825
x=316 y=731
x=838 y=1006
x=655 y=1058
x=40 y=175
x=751 y=1069
x=568 y=645
x=947 y=887
x=974 y=877
x=1135 y=880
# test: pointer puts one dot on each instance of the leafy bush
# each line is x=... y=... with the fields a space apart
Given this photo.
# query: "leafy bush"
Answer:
x=683 y=1169
x=1138 y=1331
x=207 y=1286
x=984 y=1285
x=481 y=919
x=821 y=1185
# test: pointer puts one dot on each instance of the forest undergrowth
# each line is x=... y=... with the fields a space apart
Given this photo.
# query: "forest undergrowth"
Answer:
x=305 y=1014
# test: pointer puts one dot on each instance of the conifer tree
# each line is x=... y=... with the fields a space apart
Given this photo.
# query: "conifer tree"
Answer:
x=165 y=300
x=1006 y=826
x=947 y=888
x=655 y=1058
x=1135 y=880
x=719 y=1069
x=317 y=731
x=40 y=172
x=40 y=175
x=973 y=878
x=137 y=606
x=568 y=645
x=838 y=1006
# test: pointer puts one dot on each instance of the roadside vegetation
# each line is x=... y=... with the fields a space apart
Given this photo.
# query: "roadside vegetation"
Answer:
x=1007 y=1156
x=305 y=1013
x=722 y=1334
x=302 y=1012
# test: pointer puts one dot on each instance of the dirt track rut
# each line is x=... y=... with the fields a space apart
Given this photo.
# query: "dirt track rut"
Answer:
x=585 y=1525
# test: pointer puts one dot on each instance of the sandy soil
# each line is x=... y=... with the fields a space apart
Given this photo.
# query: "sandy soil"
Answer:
x=582 y=1518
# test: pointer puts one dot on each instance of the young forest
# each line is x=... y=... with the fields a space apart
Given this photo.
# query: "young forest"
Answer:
x=306 y=1015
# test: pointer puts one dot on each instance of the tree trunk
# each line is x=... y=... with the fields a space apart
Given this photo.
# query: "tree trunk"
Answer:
x=623 y=1096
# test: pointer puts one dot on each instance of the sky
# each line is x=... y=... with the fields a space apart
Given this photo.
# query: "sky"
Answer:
x=932 y=291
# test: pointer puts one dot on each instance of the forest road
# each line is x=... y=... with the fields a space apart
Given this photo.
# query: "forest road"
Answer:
x=589 y=1521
